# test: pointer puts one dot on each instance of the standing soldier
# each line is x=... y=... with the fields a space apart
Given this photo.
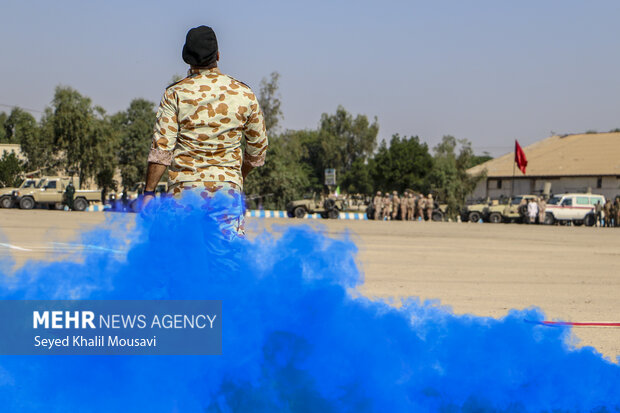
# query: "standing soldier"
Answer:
x=598 y=211
x=209 y=132
x=403 y=207
x=430 y=205
x=617 y=213
x=542 y=210
x=607 y=210
x=387 y=206
x=410 y=206
x=69 y=194
x=395 y=205
x=377 y=204
x=421 y=204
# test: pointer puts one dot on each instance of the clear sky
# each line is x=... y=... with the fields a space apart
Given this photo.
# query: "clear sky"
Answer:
x=488 y=71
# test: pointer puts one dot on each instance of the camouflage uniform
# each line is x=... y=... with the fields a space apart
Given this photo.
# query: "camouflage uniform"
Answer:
x=387 y=206
x=201 y=125
x=607 y=211
x=617 y=214
x=410 y=207
x=377 y=203
x=395 y=205
x=430 y=205
x=403 y=207
x=542 y=210
x=421 y=204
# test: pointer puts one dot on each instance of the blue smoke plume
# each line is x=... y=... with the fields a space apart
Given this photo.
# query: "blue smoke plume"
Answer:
x=298 y=337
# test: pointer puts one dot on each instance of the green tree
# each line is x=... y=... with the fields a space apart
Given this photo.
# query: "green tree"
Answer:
x=355 y=138
x=72 y=122
x=282 y=178
x=82 y=134
x=449 y=178
x=404 y=164
x=19 y=125
x=10 y=170
x=270 y=103
x=135 y=126
x=105 y=141
x=3 y=118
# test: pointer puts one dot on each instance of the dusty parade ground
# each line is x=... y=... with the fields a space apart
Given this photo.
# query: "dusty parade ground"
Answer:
x=572 y=273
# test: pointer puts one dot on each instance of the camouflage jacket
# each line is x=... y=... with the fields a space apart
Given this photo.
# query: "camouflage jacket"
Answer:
x=200 y=127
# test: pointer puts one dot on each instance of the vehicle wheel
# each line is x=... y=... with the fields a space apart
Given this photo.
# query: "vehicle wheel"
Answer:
x=290 y=214
x=474 y=217
x=329 y=204
x=6 y=202
x=549 y=219
x=589 y=220
x=577 y=222
x=299 y=212
x=324 y=215
x=437 y=216
x=26 y=203
x=333 y=214
x=495 y=218
x=80 y=204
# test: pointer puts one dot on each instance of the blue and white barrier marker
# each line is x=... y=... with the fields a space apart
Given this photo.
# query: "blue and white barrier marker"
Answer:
x=282 y=214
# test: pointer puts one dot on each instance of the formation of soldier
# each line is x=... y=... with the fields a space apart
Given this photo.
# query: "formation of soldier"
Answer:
x=608 y=215
x=406 y=207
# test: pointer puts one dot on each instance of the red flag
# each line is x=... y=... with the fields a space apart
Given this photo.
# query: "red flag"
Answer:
x=520 y=158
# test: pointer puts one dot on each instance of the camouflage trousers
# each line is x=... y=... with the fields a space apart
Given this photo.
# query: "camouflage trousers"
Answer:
x=230 y=217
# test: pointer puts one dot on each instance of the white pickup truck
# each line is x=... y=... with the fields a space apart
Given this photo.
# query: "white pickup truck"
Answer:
x=575 y=208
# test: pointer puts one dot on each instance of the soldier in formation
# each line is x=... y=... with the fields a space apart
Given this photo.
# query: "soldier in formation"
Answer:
x=377 y=204
x=395 y=205
x=406 y=207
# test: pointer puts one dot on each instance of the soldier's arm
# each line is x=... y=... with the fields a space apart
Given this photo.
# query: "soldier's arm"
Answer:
x=255 y=138
x=164 y=139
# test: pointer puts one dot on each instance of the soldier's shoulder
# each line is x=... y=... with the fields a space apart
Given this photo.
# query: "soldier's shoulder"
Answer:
x=188 y=80
x=242 y=85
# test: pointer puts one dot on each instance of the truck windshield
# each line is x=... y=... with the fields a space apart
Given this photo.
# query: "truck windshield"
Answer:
x=29 y=183
x=516 y=200
x=554 y=201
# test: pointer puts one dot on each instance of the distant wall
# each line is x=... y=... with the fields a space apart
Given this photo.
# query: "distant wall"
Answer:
x=495 y=188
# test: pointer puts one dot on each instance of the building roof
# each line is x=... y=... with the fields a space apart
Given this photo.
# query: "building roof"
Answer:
x=570 y=155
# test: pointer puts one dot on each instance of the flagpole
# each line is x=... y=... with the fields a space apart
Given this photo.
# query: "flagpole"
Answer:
x=514 y=166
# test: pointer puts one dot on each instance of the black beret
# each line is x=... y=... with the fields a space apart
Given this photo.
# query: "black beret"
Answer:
x=200 y=46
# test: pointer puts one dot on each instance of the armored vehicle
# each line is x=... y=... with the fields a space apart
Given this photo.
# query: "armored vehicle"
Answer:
x=50 y=193
x=6 y=194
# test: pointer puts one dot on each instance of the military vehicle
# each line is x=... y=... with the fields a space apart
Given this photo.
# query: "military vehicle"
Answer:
x=50 y=192
x=474 y=212
x=326 y=207
x=511 y=210
x=6 y=194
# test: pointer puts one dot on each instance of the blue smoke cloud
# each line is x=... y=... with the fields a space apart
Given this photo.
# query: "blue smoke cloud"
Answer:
x=297 y=337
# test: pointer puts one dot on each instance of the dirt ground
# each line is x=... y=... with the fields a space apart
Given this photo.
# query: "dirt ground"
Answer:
x=572 y=273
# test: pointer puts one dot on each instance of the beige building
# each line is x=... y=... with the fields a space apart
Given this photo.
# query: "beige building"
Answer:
x=12 y=147
x=559 y=164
